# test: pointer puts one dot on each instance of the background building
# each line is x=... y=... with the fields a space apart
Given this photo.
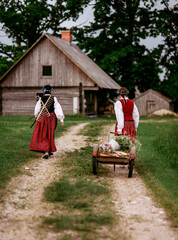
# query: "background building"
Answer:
x=79 y=84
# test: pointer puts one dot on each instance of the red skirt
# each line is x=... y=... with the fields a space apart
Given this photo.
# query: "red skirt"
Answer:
x=128 y=129
x=43 y=135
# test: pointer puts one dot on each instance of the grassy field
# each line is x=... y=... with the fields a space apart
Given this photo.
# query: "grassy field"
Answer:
x=157 y=163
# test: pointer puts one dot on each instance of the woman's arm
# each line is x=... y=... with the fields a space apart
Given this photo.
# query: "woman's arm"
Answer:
x=135 y=116
x=119 y=116
x=58 y=110
x=37 y=108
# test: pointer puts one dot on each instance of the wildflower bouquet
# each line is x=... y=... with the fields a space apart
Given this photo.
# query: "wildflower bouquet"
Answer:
x=106 y=148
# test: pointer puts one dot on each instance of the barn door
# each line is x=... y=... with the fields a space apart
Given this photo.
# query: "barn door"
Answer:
x=150 y=106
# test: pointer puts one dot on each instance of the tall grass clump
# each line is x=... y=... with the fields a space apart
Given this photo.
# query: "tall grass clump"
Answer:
x=63 y=190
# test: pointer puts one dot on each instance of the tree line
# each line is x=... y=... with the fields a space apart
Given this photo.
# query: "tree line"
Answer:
x=113 y=40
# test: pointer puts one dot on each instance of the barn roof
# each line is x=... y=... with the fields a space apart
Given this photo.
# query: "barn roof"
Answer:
x=90 y=68
x=154 y=92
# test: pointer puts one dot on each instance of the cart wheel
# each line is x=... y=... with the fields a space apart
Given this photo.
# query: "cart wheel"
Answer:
x=95 y=165
x=131 y=163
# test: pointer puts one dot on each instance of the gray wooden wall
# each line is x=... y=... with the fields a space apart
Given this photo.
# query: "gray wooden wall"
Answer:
x=151 y=102
x=20 y=101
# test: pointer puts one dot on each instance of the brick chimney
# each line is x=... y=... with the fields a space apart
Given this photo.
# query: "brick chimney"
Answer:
x=66 y=35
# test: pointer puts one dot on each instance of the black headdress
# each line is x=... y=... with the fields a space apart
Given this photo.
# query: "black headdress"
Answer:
x=47 y=89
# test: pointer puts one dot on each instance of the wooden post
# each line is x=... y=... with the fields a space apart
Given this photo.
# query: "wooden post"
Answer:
x=80 y=98
x=95 y=103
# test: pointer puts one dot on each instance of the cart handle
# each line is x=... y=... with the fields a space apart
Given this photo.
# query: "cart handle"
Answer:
x=112 y=133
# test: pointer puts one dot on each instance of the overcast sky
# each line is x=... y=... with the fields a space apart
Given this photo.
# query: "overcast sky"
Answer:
x=87 y=17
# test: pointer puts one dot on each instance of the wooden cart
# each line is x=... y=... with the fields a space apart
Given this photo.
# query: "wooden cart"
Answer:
x=111 y=159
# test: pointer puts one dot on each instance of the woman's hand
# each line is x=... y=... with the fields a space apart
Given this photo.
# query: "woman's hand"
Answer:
x=62 y=124
x=119 y=132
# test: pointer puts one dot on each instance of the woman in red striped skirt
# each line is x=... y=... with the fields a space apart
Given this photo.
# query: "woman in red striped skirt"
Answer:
x=127 y=115
x=47 y=111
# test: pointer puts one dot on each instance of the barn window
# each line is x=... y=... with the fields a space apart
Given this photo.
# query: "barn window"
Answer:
x=47 y=70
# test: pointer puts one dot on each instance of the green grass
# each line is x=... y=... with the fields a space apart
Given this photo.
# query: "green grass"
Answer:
x=157 y=162
x=15 y=137
x=64 y=191
x=157 y=117
x=88 y=222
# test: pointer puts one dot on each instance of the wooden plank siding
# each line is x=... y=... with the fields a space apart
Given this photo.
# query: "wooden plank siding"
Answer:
x=28 y=73
x=151 y=102
x=22 y=101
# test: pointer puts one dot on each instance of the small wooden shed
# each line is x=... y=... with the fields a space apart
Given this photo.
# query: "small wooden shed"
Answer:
x=79 y=83
x=151 y=101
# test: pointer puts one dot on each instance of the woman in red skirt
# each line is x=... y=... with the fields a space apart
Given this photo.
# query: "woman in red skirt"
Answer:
x=127 y=115
x=47 y=111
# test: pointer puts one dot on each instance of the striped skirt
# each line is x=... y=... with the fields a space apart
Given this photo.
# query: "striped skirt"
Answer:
x=43 y=135
x=128 y=130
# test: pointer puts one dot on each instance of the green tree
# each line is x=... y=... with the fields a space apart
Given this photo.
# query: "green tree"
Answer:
x=5 y=64
x=24 y=21
x=113 y=41
x=167 y=25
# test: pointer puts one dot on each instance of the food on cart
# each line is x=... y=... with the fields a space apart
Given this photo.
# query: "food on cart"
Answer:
x=122 y=154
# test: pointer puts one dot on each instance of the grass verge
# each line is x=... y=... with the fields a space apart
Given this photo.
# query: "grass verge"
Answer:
x=157 y=162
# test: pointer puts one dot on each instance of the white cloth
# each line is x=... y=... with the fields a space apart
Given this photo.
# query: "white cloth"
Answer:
x=57 y=109
x=120 y=115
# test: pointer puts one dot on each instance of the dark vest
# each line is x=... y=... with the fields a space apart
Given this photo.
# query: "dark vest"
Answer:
x=50 y=104
x=127 y=109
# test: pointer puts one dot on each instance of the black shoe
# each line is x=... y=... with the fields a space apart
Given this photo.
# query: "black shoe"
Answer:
x=46 y=156
x=50 y=154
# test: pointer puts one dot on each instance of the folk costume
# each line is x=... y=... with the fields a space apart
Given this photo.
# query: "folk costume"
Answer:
x=127 y=115
x=47 y=111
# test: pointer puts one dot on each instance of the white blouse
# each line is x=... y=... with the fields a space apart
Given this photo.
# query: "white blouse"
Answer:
x=57 y=109
x=120 y=115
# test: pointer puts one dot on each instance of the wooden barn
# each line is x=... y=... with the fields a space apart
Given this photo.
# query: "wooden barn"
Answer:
x=79 y=84
x=151 y=101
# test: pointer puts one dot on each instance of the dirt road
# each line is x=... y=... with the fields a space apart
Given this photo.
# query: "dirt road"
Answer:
x=23 y=204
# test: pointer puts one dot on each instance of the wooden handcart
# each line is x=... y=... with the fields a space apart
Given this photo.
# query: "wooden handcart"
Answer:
x=114 y=159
